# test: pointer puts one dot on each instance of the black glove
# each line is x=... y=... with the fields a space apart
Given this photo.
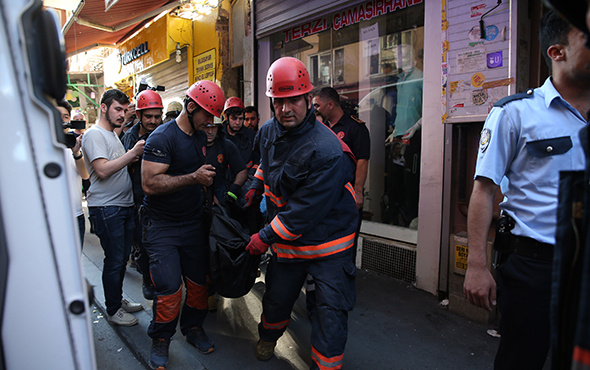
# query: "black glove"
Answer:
x=232 y=194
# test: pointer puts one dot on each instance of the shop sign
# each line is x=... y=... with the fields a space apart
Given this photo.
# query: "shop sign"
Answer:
x=135 y=53
x=362 y=12
x=204 y=65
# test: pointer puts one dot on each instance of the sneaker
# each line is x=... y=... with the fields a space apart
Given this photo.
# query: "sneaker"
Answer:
x=122 y=318
x=212 y=303
x=265 y=350
x=130 y=306
x=198 y=339
x=159 y=353
x=149 y=292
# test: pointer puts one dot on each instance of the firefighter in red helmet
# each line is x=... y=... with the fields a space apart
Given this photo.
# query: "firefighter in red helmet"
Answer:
x=174 y=172
x=149 y=112
x=307 y=180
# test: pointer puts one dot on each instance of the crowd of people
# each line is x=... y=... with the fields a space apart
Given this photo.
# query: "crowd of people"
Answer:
x=154 y=177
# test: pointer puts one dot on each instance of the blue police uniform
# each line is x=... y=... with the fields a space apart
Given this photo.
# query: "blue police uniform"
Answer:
x=526 y=140
x=312 y=211
x=174 y=235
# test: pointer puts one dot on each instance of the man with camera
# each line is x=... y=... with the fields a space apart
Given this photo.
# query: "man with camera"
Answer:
x=78 y=168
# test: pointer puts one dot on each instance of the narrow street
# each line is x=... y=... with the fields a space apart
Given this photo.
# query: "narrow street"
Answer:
x=393 y=326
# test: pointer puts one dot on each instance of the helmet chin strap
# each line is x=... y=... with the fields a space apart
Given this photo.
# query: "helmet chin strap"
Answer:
x=190 y=115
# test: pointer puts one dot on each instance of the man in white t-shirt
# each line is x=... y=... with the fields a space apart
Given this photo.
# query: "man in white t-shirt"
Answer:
x=110 y=200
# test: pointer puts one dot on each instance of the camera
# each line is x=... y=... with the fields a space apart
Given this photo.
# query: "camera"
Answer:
x=70 y=137
x=144 y=86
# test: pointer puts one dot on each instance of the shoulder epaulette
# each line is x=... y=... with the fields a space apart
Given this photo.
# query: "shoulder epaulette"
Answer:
x=509 y=98
x=357 y=120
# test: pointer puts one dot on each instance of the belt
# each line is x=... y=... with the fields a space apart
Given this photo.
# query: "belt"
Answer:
x=523 y=246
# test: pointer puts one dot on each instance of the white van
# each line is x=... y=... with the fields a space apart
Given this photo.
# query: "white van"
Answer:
x=44 y=310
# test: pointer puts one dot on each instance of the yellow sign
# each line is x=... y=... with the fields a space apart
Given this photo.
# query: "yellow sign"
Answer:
x=461 y=257
x=146 y=49
x=204 y=66
x=478 y=79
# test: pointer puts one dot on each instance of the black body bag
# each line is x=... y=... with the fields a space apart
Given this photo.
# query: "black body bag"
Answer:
x=232 y=270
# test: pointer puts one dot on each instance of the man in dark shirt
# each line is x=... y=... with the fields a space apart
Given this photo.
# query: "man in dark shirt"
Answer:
x=350 y=130
x=149 y=112
x=174 y=174
x=237 y=133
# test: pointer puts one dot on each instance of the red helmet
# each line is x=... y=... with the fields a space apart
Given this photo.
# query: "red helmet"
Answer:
x=287 y=77
x=233 y=102
x=148 y=99
x=208 y=95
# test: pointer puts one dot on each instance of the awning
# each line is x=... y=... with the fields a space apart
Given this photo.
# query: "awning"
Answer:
x=90 y=26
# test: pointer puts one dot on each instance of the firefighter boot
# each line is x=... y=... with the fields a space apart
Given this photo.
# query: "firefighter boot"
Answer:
x=265 y=350
x=159 y=353
x=198 y=339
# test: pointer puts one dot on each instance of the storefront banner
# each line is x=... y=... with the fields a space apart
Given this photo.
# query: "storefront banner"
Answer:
x=362 y=12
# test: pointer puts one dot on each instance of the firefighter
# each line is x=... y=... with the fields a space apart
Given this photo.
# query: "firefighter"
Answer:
x=149 y=111
x=237 y=133
x=307 y=179
x=174 y=172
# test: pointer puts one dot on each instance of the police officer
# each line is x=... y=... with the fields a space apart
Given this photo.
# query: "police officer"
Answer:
x=173 y=175
x=149 y=112
x=527 y=138
x=306 y=176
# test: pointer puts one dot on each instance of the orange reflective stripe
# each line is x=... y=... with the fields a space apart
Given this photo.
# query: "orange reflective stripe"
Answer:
x=274 y=326
x=351 y=189
x=273 y=198
x=255 y=166
x=581 y=356
x=168 y=306
x=196 y=295
x=314 y=251
x=259 y=174
x=326 y=363
x=280 y=229
x=249 y=165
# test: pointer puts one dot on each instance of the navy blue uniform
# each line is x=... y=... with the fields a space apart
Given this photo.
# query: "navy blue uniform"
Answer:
x=224 y=156
x=174 y=235
x=355 y=134
x=312 y=210
x=244 y=141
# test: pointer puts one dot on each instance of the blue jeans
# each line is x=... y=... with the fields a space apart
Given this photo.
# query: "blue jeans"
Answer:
x=114 y=227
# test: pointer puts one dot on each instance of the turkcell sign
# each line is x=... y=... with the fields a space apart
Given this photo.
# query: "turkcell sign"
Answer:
x=135 y=53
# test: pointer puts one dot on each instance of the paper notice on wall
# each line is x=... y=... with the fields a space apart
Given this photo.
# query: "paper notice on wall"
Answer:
x=471 y=61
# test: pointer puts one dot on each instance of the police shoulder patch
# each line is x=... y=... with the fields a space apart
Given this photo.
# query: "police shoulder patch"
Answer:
x=484 y=140
x=509 y=98
x=357 y=120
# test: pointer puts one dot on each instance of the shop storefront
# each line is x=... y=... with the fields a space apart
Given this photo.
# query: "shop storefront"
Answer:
x=372 y=53
x=401 y=62
x=157 y=56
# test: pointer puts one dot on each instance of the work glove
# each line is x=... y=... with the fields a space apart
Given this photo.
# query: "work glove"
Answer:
x=256 y=246
x=231 y=195
x=251 y=195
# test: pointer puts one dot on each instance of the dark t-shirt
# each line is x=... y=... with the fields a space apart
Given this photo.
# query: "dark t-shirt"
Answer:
x=355 y=134
x=224 y=155
x=244 y=141
x=185 y=154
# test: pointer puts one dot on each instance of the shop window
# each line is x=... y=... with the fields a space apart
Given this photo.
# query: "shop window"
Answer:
x=376 y=67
